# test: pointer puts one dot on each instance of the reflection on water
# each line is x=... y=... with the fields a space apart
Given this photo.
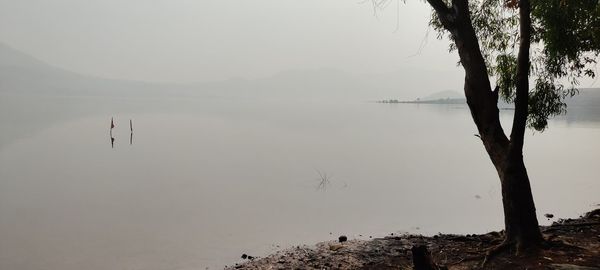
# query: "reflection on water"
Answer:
x=112 y=140
x=239 y=177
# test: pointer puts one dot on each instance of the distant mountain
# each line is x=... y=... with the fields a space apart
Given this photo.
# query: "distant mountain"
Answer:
x=23 y=74
x=317 y=84
x=446 y=94
x=10 y=57
x=589 y=97
x=587 y=101
x=586 y=97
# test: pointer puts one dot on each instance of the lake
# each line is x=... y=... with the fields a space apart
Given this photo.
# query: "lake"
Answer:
x=204 y=180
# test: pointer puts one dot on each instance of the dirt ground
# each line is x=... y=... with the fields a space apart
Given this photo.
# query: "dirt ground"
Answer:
x=571 y=244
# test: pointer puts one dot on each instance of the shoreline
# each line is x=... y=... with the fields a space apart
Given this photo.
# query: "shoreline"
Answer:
x=571 y=244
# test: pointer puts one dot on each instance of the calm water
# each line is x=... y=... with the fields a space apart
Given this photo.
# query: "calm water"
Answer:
x=205 y=180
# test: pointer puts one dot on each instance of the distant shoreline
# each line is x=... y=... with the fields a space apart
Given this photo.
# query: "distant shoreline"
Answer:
x=432 y=101
x=441 y=101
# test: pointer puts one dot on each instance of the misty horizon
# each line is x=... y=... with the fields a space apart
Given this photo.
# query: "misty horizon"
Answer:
x=324 y=82
x=184 y=134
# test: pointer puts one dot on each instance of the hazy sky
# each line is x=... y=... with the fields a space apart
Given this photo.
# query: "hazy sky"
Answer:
x=206 y=40
x=194 y=40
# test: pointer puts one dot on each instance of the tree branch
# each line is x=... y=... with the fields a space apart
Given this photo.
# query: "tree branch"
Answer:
x=522 y=80
x=440 y=7
x=481 y=100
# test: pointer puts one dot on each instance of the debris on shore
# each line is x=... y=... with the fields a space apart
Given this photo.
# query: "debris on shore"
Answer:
x=570 y=244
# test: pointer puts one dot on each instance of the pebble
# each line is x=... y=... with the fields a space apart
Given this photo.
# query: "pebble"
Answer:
x=343 y=238
x=335 y=247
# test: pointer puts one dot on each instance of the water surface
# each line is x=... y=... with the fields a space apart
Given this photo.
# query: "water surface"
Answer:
x=205 y=180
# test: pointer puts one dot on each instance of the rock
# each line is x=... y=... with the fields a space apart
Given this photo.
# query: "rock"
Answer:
x=335 y=247
x=549 y=216
x=343 y=239
x=244 y=256
x=422 y=259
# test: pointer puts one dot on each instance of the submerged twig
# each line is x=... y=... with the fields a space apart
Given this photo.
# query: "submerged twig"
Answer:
x=324 y=180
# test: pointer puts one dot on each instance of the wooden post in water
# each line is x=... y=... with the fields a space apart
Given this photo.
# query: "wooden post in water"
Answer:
x=130 y=134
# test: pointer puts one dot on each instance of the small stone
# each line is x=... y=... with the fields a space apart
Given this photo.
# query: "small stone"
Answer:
x=335 y=247
x=343 y=238
x=244 y=256
x=549 y=216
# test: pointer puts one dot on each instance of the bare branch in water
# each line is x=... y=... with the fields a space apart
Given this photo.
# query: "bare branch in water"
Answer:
x=324 y=180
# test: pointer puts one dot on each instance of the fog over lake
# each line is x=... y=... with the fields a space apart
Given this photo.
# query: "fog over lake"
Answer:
x=207 y=179
x=255 y=127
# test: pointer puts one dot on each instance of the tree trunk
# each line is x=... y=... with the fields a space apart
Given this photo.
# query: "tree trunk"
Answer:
x=520 y=218
x=519 y=210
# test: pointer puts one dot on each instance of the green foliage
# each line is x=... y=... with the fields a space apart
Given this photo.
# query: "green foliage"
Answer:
x=545 y=101
x=505 y=70
x=565 y=47
x=570 y=32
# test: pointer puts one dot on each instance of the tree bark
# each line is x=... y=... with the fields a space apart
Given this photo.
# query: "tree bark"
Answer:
x=422 y=260
x=521 y=222
x=520 y=218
